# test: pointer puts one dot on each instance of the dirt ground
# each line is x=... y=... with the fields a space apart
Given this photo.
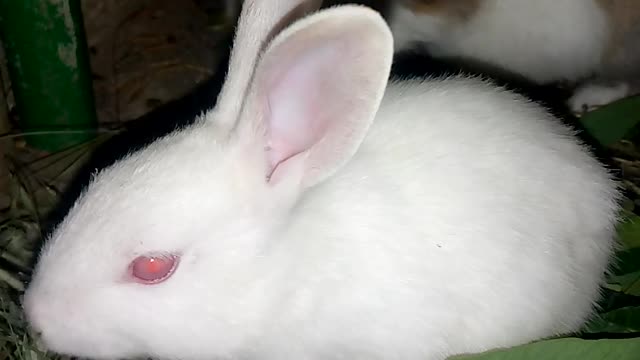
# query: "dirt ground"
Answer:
x=143 y=54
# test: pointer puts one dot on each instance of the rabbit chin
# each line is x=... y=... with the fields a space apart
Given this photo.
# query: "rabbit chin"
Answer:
x=98 y=350
x=124 y=334
x=57 y=325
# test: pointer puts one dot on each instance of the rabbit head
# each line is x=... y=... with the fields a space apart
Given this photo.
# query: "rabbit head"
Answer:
x=162 y=255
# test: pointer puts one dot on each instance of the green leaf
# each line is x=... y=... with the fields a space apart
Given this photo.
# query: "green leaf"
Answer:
x=623 y=320
x=629 y=230
x=627 y=283
x=611 y=123
x=565 y=349
x=627 y=262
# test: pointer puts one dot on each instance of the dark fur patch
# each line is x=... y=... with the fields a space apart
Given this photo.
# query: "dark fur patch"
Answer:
x=457 y=9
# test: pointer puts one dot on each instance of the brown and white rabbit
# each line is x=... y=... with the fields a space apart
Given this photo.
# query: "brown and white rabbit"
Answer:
x=320 y=212
x=592 y=44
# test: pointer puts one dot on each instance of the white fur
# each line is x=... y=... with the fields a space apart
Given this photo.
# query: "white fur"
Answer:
x=468 y=219
x=544 y=40
x=594 y=94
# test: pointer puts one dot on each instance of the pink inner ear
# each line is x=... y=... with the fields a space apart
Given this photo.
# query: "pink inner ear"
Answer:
x=316 y=90
x=296 y=101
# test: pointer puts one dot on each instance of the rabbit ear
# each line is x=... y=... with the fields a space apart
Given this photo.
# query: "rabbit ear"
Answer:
x=317 y=89
x=259 y=22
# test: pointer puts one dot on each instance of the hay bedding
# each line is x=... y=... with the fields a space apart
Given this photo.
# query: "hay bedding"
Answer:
x=139 y=65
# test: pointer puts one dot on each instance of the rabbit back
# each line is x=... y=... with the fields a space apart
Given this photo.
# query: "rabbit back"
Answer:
x=468 y=220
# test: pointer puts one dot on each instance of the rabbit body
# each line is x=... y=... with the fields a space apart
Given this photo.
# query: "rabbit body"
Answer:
x=410 y=221
x=418 y=249
x=492 y=242
x=523 y=36
x=590 y=44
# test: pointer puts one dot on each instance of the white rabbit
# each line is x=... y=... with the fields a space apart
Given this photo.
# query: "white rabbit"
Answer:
x=288 y=224
x=592 y=44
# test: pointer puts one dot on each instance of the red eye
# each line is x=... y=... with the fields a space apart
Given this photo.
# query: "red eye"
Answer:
x=153 y=269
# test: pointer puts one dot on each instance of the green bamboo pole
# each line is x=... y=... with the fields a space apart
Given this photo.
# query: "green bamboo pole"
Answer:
x=49 y=71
